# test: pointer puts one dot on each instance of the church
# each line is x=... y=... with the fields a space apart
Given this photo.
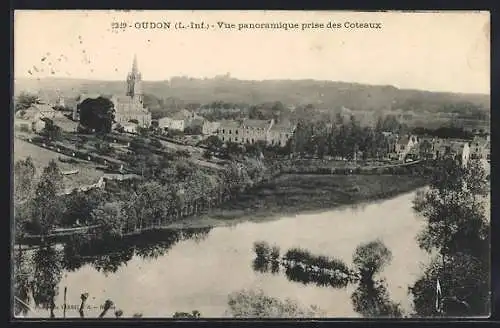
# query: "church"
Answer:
x=129 y=107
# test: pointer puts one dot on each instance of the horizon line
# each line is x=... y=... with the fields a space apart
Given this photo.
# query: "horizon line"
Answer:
x=225 y=76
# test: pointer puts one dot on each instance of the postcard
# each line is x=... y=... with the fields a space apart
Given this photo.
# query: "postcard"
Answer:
x=251 y=164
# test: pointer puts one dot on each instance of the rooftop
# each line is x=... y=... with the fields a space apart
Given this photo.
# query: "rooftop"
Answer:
x=283 y=127
x=230 y=124
x=262 y=124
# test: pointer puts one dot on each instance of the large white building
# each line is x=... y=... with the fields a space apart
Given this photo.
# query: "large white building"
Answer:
x=250 y=131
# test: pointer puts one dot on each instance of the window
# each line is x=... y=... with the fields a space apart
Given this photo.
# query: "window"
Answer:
x=236 y=139
x=223 y=131
x=236 y=132
x=229 y=131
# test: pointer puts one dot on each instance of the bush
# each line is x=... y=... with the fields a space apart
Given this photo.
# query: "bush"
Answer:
x=255 y=304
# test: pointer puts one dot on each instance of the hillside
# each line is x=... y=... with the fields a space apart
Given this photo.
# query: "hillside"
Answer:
x=322 y=94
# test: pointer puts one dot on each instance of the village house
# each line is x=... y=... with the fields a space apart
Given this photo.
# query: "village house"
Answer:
x=33 y=118
x=255 y=130
x=28 y=120
x=171 y=123
x=426 y=148
x=230 y=131
x=453 y=148
x=130 y=127
x=279 y=134
x=180 y=120
x=480 y=148
x=403 y=146
x=211 y=110
x=195 y=123
x=210 y=128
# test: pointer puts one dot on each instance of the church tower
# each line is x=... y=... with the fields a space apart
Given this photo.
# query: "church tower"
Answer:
x=134 y=82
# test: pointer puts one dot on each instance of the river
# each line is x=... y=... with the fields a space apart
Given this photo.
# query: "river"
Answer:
x=199 y=274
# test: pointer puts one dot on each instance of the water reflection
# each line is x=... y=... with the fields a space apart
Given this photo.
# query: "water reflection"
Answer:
x=301 y=266
x=370 y=299
x=108 y=255
x=38 y=271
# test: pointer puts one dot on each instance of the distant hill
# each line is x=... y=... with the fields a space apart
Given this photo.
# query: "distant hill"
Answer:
x=322 y=94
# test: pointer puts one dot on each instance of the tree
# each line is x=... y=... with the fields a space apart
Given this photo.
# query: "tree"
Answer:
x=25 y=100
x=371 y=297
x=371 y=257
x=183 y=170
x=51 y=130
x=453 y=208
x=109 y=216
x=97 y=114
x=22 y=277
x=24 y=175
x=79 y=207
x=149 y=205
x=156 y=143
x=46 y=277
x=466 y=290
x=46 y=207
x=458 y=230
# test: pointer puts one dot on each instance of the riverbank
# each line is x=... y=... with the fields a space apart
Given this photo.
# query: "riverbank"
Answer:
x=292 y=194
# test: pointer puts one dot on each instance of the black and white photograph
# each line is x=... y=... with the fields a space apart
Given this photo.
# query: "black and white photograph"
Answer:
x=198 y=164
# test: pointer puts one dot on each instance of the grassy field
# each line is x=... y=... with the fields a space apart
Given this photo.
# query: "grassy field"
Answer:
x=41 y=158
x=295 y=192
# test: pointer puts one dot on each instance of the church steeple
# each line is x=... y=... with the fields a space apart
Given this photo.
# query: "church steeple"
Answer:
x=134 y=81
x=135 y=70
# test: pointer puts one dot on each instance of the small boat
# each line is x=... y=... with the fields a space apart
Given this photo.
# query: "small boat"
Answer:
x=69 y=172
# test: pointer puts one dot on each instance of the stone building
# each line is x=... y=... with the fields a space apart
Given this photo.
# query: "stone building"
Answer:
x=129 y=107
x=210 y=128
x=480 y=148
x=33 y=118
x=279 y=134
x=404 y=144
x=252 y=131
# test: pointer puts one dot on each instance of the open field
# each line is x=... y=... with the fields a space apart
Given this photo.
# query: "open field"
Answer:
x=41 y=157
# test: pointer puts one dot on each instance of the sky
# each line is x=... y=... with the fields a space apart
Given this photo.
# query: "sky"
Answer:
x=436 y=51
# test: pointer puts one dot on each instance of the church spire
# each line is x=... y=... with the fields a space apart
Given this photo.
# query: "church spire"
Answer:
x=135 y=69
x=134 y=81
